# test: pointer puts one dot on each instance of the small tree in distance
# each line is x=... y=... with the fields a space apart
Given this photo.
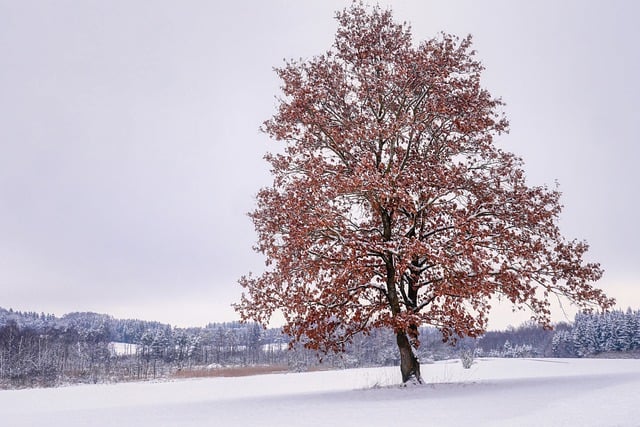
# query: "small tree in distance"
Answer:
x=391 y=206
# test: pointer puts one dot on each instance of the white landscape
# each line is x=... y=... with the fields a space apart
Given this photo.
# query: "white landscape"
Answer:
x=493 y=392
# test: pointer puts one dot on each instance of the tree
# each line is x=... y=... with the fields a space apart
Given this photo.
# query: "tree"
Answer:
x=562 y=344
x=391 y=205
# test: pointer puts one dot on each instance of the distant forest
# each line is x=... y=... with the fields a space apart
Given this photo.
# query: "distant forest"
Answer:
x=45 y=350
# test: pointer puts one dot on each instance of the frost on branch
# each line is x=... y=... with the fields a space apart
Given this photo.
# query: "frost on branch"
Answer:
x=392 y=207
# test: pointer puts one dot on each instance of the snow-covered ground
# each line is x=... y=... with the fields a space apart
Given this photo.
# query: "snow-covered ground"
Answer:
x=494 y=392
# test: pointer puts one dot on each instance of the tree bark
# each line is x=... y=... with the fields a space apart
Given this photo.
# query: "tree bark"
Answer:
x=409 y=363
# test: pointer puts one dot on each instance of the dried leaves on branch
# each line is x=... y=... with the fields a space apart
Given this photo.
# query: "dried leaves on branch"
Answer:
x=391 y=206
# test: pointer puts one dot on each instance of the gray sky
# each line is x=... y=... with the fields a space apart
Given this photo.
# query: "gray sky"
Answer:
x=130 y=151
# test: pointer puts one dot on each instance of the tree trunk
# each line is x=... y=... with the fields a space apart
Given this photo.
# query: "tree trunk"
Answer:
x=409 y=364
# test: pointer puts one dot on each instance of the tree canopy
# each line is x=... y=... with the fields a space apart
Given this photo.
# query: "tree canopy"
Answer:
x=391 y=205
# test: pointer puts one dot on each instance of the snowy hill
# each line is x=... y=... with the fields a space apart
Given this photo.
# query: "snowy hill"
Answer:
x=494 y=392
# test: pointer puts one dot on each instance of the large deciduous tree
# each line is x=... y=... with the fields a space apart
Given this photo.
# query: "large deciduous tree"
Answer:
x=392 y=207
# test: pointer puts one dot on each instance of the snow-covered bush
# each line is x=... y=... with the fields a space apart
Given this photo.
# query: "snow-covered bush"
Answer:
x=466 y=357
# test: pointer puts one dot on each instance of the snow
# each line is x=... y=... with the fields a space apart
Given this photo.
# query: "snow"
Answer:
x=494 y=392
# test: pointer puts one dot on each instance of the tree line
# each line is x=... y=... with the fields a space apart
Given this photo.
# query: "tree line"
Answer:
x=593 y=334
x=42 y=349
x=613 y=333
x=45 y=350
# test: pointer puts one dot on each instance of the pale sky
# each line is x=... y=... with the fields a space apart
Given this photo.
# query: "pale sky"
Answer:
x=130 y=151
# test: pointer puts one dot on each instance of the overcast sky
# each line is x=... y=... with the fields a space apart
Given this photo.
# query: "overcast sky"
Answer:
x=130 y=151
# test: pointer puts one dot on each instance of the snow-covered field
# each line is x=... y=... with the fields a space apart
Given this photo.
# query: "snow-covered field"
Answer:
x=494 y=392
